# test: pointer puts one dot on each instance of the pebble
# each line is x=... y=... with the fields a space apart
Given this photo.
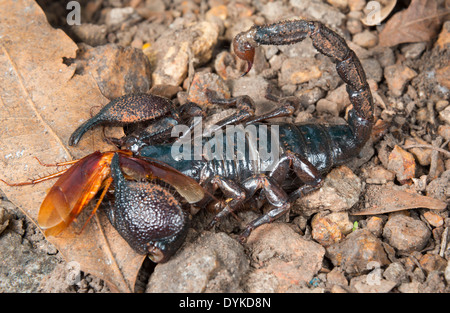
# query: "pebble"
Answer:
x=330 y=228
x=405 y=233
x=375 y=225
x=444 y=115
x=413 y=50
x=402 y=163
x=281 y=267
x=203 y=81
x=366 y=39
x=444 y=37
x=371 y=283
x=336 y=277
x=434 y=219
x=170 y=53
x=422 y=155
x=439 y=188
x=214 y=262
x=397 y=77
x=118 y=16
x=358 y=252
x=373 y=69
x=395 y=272
x=319 y=11
x=432 y=262
x=378 y=175
x=117 y=70
x=340 y=191
x=356 y=5
x=327 y=106
x=298 y=71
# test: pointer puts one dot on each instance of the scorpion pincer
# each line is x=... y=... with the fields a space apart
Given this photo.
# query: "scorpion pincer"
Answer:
x=150 y=220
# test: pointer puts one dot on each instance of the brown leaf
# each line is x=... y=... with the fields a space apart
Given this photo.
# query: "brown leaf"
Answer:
x=419 y=22
x=382 y=199
x=41 y=102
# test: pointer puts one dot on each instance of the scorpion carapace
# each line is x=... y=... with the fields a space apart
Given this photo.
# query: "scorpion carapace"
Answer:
x=305 y=152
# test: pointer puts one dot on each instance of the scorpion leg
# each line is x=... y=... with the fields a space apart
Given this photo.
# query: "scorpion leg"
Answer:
x=235 y=196
x=274 y=194
x=304 y=170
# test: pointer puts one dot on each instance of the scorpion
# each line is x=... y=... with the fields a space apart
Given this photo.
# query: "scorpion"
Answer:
x=151 y=218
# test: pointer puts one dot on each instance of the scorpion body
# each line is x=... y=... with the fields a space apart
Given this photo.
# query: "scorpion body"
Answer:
x=151 y=219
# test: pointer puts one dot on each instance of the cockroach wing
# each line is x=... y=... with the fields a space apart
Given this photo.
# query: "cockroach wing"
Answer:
x=149 y=168
x=73 y=191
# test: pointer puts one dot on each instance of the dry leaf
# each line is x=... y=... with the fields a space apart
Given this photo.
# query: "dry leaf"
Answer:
x=41 y=102
x=418 y=23
x=382 y=199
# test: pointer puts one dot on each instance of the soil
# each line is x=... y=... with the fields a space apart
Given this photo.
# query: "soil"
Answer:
x=347 y=237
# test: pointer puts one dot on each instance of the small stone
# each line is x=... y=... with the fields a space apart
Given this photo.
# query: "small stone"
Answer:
x=395 y=272
x=340 y=97
x=397 y=77
x=327 y=106
x=325 y=231
x=371 y=283
x=117 y=70
x=378 y=175
x=443 y=76
x=422 y=155
x=340 y=4
x=336 y=277
x=444 y=37
x=170 y=53
x=203 y=81
x=405 y=233
x=358 y=252
x=402 y=163
x=439 y=188
x=282 y=266
x=308 y=97
x=354 y=26
x=444 y=115
x=373 y=69
x=413 y=50
x=412 y=287
x=375 y=225
x=433 y=262
x=366 y=39
x=356 y=5
x=118 y=16
x=298 y=71
x=213 y=262
x=444 y=131
x=441 y=105
x=340 y=191
x=447 y=273
x=434 y=219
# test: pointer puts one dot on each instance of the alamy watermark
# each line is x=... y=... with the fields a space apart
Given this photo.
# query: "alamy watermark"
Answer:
x=74 y=16
x=258 y=143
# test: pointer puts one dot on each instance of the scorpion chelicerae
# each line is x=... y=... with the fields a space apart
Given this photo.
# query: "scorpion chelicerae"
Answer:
x=150 y=218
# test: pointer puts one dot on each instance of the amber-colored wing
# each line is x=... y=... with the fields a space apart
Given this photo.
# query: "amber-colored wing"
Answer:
x=73 y=191
x=149 y=168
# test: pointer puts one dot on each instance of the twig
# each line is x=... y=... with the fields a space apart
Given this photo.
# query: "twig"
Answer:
x=425 y=146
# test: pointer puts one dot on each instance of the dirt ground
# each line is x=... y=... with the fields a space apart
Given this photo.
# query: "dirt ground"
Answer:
x=378 y=224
